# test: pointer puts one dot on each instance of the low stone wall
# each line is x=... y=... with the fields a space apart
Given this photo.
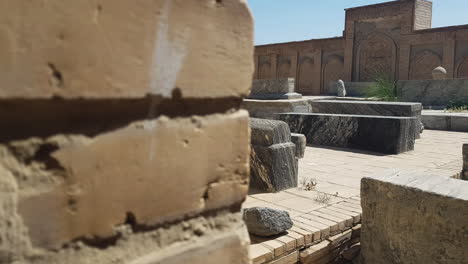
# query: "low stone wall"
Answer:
x=356 y=89
x=410 y=218
x=433 y=92
x=441 y=120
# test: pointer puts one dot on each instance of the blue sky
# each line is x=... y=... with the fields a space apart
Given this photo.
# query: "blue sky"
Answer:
x=292 y=20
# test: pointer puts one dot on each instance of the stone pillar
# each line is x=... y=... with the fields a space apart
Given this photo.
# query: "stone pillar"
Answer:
x=124 y=130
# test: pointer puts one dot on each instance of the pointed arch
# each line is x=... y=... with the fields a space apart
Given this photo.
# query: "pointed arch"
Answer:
x=376 y=55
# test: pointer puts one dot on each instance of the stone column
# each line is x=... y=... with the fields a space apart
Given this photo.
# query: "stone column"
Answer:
x=124 y=131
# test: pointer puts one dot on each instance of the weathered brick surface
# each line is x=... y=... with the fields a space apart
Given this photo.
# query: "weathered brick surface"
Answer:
x=158 y=171
x=155 y=169
x=121 y=49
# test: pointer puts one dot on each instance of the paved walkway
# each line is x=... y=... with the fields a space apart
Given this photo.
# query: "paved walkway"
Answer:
x=335 y=174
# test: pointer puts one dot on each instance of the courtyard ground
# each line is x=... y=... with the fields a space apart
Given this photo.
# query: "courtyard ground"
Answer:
x=335 y=174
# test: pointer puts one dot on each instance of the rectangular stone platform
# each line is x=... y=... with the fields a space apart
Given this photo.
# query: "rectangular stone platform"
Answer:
x=383 y=134
x=440 y=120
x=414 y=218
x=376 y=108
x=271 y=89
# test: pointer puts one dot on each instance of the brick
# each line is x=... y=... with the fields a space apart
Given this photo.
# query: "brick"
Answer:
x=289 y=242
x=356 y=217
x=314 y=231
x=102 y=185
x=340 y=220
x=315 y=252
x=344 y=217
x=324 y=229
x=308 y=235
x=228 y=247
x=278 y=247
x=122 y=49
x=289 y=259
x=259 y=254
x=334 y=225
x=337 y=240
x=299 y=238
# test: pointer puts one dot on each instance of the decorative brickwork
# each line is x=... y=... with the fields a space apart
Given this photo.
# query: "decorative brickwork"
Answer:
x=332 y=71
x=462 y=70
x=422 y=65
x=264 y=67
x=306 y=67
x=284 y=67
x=382 y=38
x=376 y=55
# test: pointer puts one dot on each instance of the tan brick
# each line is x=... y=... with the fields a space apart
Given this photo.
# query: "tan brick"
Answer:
x=299 y=238
x=120 y=48
x=260 y=254
x=154 y=172
x=289 y=259
x=289 y=242
x=308 y=234
x=228 y=247
x=324 y=229
x=278 y=247
x=339 y=239
x=315 y=252
x=334 y=226
x=344 y=217
x=356 y=217
x=341 y=223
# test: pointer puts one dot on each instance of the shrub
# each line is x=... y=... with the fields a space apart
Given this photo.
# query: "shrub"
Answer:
x=383 y=89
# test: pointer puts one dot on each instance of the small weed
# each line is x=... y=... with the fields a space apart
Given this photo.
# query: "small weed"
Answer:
x=308 y=184
x=323 y=198
x=383 y=89
x=457 y=106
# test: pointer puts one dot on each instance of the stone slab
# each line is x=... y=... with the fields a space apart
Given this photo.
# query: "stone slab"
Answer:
x=447 y=121
x=119 y=49
x=414 y=218
x=268 y=108
x=376 y=108
x=274 y=89
x=366 y=108
x=390 y=135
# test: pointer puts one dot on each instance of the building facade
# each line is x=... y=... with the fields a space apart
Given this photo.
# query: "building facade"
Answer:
x=393 y=38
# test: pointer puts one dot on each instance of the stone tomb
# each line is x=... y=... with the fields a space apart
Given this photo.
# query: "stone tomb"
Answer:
x=272 y=89
x=376 y=108
x=273 y=160
x=385 y=134
x=410 y=218
x=269 y=97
